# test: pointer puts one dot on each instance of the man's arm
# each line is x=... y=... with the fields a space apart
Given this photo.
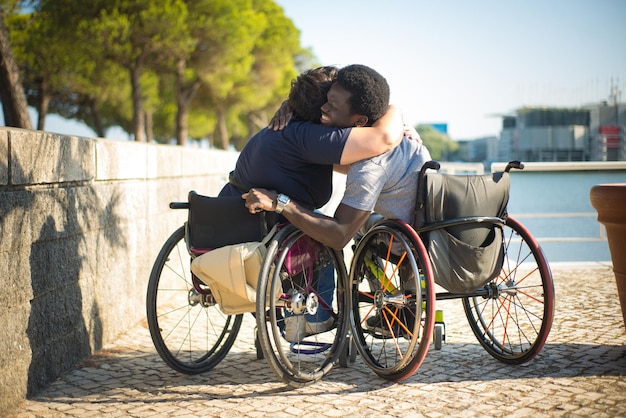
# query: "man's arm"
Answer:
x=333 y=232
x=366 y=142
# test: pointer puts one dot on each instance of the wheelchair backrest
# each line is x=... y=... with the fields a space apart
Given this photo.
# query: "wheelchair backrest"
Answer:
x=443 y=197
x=217 y=221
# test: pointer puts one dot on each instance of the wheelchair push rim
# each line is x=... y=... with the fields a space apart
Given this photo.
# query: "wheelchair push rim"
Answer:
x=308 y=358
x=513 y=321
x=393 y=317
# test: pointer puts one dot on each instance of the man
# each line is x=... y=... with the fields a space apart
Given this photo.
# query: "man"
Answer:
x=385 y=184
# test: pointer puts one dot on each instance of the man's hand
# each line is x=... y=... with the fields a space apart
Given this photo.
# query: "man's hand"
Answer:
x=281 y=117
x=411 y=133
x=259 y=200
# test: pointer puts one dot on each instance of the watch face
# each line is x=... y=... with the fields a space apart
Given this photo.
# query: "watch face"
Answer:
x=281 y=201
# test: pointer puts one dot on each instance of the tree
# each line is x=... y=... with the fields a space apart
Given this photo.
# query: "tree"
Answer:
x=245 y=60
x=274 y=53
x=231 y=30
x=66 y=77
x=151 y=66
x=439 y=144
x=12 y=95
x=44 y=58
x=140 y=35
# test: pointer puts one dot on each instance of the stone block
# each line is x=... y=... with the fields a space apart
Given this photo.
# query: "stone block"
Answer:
x=120 y=160
x=207 y=162
x=15 y=355
x=164 y=161
x=4 y=157
x=41 y=157
x=15 y=247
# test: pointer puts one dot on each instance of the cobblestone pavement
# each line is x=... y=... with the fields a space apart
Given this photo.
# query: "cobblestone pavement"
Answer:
x=581 y=372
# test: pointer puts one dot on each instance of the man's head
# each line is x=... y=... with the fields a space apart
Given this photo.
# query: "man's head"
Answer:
x=309 y=90
x=358 y=97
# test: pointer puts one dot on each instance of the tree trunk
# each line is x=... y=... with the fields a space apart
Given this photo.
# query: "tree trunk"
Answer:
x=97 y=119
x=221 y=126
x=138 y=113
x=44 y=102
x=182 y=117
x=149 y=132
x=256 y=123
x=12 y=94
x=184 y=96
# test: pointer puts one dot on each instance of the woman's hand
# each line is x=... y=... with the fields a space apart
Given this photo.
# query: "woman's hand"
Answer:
x=281 y=117
x=411 y=133
x=258 y=200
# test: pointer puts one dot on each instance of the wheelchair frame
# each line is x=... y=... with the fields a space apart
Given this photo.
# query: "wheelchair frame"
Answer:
x=192 y=335
x=511 y=316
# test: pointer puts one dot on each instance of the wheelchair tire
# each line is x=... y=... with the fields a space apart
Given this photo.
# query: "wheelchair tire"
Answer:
x=438 y=336
x=514 y=321
x=188 y=330
x=393 y=300
x=298 y=297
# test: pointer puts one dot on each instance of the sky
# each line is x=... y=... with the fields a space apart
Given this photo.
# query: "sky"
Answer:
x=464 y=63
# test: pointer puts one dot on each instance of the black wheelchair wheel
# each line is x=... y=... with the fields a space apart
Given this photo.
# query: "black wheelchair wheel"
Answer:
x=304 y=292
x=393 y=300
x=188 y=330
x=513 y=322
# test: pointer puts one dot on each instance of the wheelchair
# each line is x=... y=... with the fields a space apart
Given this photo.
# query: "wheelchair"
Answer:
x=462 y=245
x=300 y=330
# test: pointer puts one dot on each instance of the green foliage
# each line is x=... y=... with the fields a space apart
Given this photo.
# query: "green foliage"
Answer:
x=224 y=65
x=8 y=7
x=439 y=144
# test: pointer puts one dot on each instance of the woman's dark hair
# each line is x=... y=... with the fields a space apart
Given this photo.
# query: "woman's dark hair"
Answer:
x=369 y=91
x=308 y=92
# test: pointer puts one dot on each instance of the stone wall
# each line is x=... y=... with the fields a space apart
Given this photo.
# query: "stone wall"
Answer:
x=81 y=222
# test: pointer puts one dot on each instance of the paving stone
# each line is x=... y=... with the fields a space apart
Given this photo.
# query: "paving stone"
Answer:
x=580 y=372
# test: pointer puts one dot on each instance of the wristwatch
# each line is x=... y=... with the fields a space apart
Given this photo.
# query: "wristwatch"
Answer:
x=281 y=202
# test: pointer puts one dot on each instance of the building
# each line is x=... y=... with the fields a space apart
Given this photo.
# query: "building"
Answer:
x=481 y=150
x=606 y=132
x=537 y=134
x=590 y=133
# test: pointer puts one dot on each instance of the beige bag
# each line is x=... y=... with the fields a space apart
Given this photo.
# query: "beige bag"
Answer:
x=232 y=274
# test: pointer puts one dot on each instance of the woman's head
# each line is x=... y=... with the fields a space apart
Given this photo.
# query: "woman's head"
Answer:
x=308 y=92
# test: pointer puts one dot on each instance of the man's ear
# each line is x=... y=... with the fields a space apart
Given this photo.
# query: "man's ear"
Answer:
x=361 y=120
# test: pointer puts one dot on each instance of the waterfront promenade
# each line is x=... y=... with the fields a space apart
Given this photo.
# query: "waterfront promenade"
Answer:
x=581 y=372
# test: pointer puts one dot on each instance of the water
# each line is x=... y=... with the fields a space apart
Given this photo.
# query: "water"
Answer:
x=555 y=207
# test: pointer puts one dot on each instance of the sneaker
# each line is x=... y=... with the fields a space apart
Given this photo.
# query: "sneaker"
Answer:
x=378 y=327
x=294 y=328
x=313 y=328
x=297 y=327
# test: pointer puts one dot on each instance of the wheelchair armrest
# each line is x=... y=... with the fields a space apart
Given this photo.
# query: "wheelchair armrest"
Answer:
x=434 y=165
x=514 y=164
x=179 y=205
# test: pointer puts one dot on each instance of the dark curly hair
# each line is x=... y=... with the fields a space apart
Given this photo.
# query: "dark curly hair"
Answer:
x=369 y=91
x=308 y=92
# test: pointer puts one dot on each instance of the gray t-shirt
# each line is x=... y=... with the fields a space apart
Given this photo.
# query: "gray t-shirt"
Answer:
x=387 y=184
